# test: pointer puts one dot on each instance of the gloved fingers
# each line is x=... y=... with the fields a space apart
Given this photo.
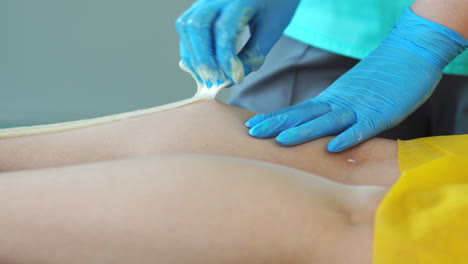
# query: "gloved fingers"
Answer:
x=251 y=57
x=288 y=118
x=185 y=63
x=262 y=117
x=272 y=126
x=202 y=39
x=328 y=124
x=265 y=30
x=306 y=108
x=356 y=134
x=195 y=31
x=228 y=27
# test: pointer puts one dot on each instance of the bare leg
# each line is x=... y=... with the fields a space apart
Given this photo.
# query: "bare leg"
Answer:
x=205 y=127
x=183 y=209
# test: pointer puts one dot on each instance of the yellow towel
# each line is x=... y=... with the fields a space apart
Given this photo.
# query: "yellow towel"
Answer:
x=424 y=217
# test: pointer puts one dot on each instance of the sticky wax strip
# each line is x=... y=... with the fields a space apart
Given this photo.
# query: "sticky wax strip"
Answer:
x=203 y=93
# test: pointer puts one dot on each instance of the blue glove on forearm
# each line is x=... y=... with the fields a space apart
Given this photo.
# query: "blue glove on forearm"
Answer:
x=209 y=30
x=378 y=93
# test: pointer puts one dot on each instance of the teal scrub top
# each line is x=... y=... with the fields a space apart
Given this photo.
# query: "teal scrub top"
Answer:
x=353 y=28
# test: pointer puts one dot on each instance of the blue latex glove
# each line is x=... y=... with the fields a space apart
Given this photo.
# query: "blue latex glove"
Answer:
x=209 y=31
x=376 y=94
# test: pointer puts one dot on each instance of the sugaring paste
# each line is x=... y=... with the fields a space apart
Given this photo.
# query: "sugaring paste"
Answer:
x=203 y=93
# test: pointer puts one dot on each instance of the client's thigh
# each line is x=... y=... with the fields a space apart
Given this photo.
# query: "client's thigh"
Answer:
x=207 y=127
x=181 y=209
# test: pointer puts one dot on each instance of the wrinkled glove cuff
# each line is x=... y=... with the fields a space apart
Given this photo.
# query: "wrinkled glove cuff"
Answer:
x=433 y=42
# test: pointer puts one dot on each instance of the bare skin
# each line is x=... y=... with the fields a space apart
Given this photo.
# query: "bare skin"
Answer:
x=449 y=13
x=183 y=208
x=207 y=127
x=153 y=204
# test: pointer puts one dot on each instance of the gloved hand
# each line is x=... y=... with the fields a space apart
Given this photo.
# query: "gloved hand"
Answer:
x=376 y=94
x=209 y=30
